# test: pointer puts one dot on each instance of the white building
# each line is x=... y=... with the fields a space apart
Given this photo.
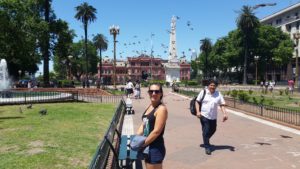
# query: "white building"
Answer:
x=288 y=21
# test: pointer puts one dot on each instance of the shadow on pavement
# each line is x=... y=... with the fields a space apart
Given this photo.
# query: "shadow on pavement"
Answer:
x=262 y=144
x=222 y=147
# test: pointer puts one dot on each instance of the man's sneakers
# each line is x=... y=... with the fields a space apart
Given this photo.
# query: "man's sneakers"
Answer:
x=208 y=151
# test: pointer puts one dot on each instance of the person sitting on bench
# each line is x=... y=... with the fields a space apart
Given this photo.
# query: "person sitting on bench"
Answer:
x=153 y=126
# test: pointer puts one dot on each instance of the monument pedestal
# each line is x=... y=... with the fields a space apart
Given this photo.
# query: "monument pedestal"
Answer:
x=172 y=72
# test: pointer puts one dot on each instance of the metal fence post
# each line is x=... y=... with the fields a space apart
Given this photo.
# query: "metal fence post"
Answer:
x=77 y=96
x=25 y=97
x=261 y=110
x=234 y=102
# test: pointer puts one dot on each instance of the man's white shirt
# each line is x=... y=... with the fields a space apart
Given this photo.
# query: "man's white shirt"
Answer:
x=210 y=103
x=129 y=85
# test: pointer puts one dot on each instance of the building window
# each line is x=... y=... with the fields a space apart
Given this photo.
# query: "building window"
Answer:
x=278 y=21
x=288 y=28
x=132 y=63
x=296 y=14
x=144 y=63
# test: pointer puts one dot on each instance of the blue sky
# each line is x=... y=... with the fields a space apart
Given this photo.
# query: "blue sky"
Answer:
x=209 y=18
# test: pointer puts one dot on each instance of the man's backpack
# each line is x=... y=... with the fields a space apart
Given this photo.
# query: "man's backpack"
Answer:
x=193 y=103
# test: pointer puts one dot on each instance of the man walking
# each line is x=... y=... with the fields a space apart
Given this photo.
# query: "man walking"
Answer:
x=209 y=111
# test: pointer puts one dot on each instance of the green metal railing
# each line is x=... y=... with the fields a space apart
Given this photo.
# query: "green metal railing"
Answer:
x=107 y=150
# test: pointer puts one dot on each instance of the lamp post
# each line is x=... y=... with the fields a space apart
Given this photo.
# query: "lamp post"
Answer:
x=70 y=64
x=256 y=60
x=296 y=37
x=114 y=30
x=20 y=72
x=151 y=57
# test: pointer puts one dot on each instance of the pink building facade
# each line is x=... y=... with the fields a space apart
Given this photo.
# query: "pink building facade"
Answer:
x=135 y=67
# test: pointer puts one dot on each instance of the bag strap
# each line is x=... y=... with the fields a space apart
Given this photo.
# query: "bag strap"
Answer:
x=203 y=95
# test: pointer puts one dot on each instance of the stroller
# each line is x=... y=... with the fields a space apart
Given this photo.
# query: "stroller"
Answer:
x=129 y=109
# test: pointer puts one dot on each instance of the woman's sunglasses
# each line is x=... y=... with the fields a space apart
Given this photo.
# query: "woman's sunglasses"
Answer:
x=154 y=91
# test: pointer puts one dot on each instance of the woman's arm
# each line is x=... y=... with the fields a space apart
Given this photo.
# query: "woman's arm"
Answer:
x=140 y=131
x=160 y=122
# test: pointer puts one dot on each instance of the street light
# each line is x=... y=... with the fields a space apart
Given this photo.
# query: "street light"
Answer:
x=263 y=5
x=114 y=30
x=296 y=37
x=151 y=57
x=70 y=64
x=20 y=72
x=256 y=60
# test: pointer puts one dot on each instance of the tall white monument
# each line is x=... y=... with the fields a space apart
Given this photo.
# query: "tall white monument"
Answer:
x=172 y=68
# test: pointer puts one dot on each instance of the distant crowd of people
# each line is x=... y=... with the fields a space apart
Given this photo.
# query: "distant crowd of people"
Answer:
x=133 y=89
x=269 y=86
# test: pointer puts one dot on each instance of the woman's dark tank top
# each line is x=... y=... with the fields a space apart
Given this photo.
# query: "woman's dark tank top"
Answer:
x=149 y=122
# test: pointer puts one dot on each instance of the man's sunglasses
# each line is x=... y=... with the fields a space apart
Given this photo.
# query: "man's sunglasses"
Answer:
x=154 y=91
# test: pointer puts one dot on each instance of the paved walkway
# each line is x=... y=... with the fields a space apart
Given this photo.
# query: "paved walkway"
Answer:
x=240 y=143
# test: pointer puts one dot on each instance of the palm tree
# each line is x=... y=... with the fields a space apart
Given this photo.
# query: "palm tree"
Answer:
x=85 y=13
x=247 y=22
x=101 y=43
x=46 y=43
x=205 y=47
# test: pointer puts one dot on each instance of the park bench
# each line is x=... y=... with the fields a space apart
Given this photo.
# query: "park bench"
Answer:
x=123 y=155
x=126 y=155
x=114 y=151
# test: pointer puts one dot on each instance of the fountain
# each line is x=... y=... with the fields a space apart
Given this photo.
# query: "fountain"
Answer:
x=4 y=80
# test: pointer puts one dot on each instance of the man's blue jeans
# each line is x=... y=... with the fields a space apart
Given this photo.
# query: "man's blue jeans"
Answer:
x=208 y=129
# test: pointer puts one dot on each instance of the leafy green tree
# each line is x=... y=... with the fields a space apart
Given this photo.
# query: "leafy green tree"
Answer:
x=20 y=24
x=219 y=61
x=205 y=47
x=62 y=48
x=274 y=46
x=247 y=22
x=78 y=60
x=86 y=13
x=101 y=43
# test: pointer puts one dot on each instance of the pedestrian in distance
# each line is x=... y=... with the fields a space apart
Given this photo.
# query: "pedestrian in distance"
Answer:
x=209 y=111
x=137 y=90
x=266 y=86
x=291 y=86
x=271 y=86
x=262 y=85
x=129 y=88
x=153 y=127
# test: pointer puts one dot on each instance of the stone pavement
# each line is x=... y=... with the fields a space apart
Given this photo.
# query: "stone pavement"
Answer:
x=239 y=143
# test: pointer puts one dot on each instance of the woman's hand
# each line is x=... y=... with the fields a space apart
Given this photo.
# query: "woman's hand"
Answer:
x=198 y=114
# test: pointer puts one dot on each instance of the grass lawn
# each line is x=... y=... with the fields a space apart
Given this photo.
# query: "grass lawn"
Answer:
x=66 y=137
x=115 y=92
x=275 y=99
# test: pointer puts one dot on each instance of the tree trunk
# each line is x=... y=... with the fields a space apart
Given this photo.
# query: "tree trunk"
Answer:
x=46 y=45
x=205 y=74
x=100 y=64
x=85 y=44
x=245 y=64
